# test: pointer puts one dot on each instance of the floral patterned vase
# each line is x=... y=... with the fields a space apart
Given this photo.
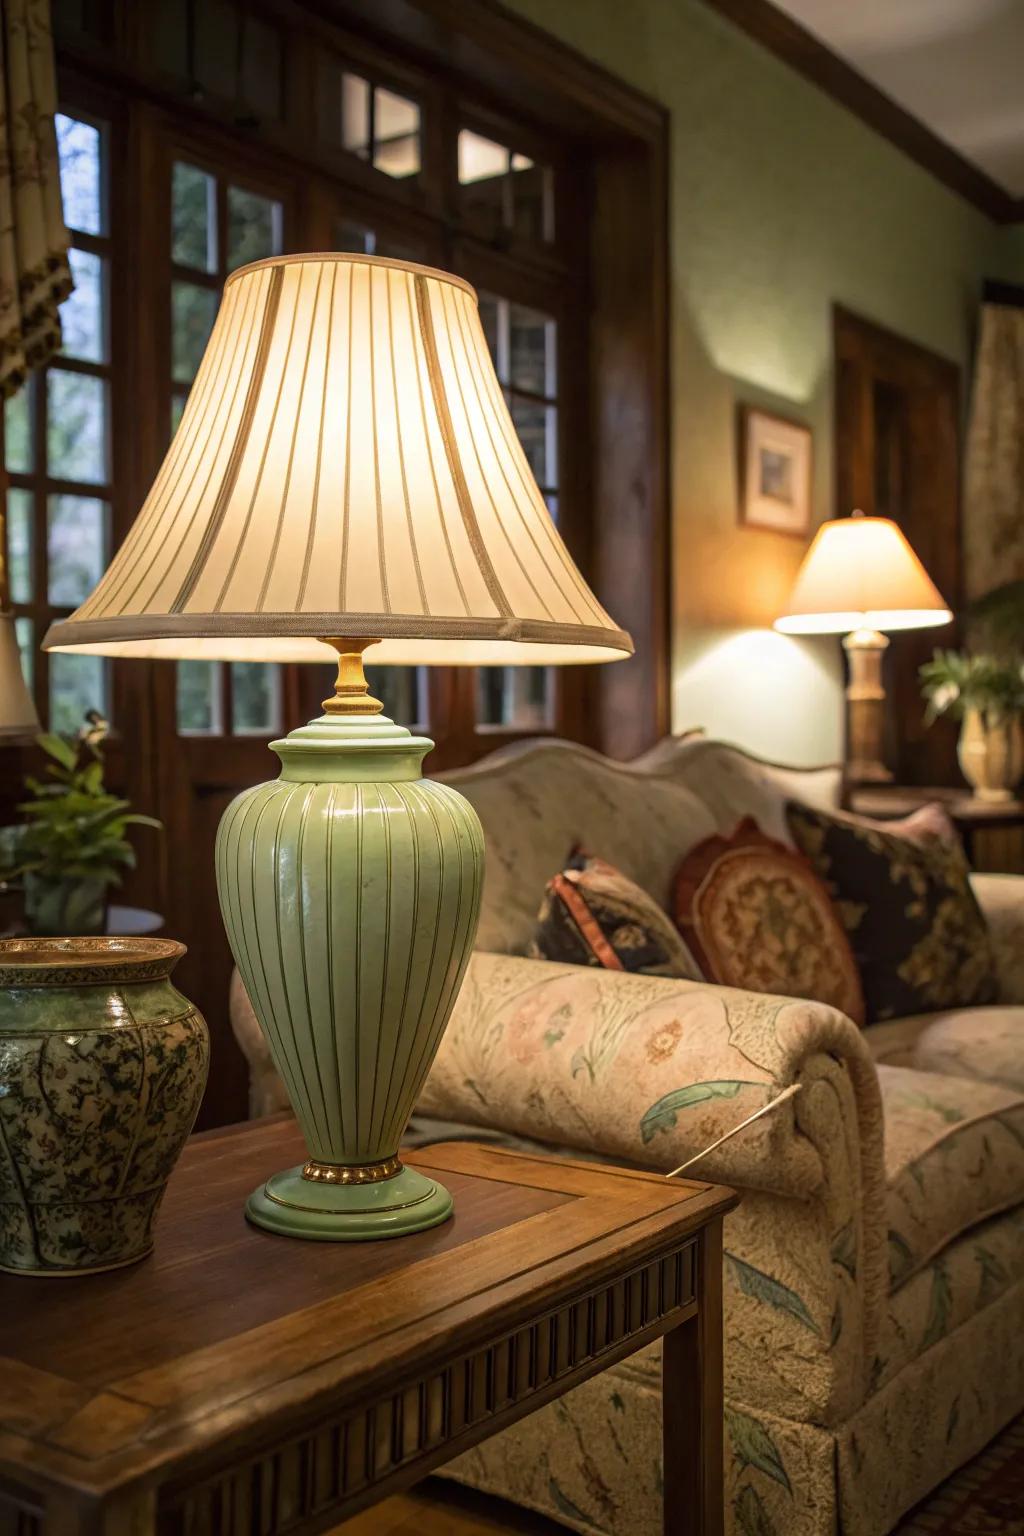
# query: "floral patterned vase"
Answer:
x=102 y=1068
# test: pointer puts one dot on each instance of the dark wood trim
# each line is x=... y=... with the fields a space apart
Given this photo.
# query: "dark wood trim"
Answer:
x=810 y=57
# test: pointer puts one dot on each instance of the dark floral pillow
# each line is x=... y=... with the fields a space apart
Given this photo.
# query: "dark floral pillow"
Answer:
x=592 y=914
x=903 y=893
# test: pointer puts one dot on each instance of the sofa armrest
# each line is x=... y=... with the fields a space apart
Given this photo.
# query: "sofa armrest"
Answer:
x=1001 y=898
x=649 y=1069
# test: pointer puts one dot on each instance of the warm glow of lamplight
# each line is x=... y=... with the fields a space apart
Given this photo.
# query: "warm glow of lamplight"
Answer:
x=860 y=573
x=346 y=465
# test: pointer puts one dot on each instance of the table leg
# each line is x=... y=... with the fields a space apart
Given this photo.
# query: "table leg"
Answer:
x=692 y=1395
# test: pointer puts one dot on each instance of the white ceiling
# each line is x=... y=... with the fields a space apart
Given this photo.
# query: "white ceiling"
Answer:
x=956 y=65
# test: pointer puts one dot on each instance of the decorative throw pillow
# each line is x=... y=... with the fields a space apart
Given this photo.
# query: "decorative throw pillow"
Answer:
x=756 y=916
x=903 y=892
x=593 y=915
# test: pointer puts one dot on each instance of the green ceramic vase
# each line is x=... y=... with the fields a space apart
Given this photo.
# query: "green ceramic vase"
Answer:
x=102 y=1068
x=350 y=888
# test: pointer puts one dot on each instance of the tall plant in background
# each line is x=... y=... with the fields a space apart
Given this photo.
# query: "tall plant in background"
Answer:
x=986 y=692
x=72 y=847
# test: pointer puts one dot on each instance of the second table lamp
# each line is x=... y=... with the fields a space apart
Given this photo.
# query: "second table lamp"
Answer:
x=860 y=578
x=347 y=474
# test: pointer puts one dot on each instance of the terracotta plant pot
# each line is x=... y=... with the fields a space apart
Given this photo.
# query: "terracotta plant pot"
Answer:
x=102 y=1068
x=991 y=755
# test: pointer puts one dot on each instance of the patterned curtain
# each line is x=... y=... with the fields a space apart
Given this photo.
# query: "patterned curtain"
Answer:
x=34 y=271
x=994 y=476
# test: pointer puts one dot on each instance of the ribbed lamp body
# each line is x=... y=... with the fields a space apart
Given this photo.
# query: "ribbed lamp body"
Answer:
x=350 y=889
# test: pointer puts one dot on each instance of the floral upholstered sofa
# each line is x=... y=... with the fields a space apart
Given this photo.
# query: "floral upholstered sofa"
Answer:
x=874 y=1270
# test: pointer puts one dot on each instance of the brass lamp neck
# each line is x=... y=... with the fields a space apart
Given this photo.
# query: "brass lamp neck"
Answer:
x=351 y=690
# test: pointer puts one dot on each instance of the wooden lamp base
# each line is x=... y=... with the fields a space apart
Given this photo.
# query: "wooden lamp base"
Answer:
x=865 y=707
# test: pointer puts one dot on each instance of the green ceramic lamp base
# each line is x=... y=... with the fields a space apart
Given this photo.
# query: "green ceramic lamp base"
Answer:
x=348 y=1213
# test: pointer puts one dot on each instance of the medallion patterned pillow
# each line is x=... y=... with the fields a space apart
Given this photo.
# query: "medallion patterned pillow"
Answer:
x=903 y=892
x=756 y=916
x=593 y=915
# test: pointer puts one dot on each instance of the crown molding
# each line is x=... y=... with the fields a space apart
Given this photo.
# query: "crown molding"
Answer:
x=802 y=51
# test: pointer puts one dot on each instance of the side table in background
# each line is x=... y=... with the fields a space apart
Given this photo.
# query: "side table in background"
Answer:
x=992 y=831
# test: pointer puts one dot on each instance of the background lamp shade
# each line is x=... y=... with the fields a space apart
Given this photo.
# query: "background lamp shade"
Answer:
x=345 y=466
x=18 y=718
x=860 y=573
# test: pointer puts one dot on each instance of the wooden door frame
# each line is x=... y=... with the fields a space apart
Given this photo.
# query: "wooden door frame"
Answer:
x=864 y=355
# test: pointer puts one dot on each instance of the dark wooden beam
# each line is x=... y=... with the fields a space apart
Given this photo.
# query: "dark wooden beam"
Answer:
x=805 y=53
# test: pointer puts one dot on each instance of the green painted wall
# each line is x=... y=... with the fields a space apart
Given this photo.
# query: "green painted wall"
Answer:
x=781 y=203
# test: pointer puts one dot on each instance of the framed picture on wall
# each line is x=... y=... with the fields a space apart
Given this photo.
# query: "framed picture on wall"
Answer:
x=775 y=472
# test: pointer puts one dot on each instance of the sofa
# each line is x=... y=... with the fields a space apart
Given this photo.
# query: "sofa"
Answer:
x=874 y=1270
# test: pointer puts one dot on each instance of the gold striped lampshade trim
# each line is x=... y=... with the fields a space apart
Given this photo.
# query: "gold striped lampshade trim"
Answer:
x=345 y=466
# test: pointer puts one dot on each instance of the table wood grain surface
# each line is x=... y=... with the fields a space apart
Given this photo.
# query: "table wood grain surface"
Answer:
x=237 y=1383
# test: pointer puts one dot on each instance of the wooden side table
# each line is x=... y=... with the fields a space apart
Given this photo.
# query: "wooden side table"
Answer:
x=992 y=832
x=241 y=1384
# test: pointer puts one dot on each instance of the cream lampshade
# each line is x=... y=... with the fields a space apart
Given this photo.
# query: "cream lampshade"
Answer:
x=859 y=578
x=346 y=472
x=18 y=718
x=345 y=465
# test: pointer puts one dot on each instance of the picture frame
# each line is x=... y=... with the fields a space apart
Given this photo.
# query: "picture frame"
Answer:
x=775 y=473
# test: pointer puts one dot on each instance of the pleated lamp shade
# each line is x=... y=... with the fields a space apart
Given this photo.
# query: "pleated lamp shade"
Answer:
x=18 y=718
x=860 y=573
x=345 y=466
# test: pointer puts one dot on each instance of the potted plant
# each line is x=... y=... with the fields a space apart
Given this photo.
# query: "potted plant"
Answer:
x=72 y=846
x=985 y=692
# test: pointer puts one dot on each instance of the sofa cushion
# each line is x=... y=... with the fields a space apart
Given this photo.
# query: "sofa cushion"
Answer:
x=982 y=1043
x=905 y=898
x=539 y=800
x=954 y=1156
x=972 y=1273
x=756 y=916
x=593 y=915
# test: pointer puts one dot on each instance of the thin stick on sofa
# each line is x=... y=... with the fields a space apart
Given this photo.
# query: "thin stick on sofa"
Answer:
x=787 y=1093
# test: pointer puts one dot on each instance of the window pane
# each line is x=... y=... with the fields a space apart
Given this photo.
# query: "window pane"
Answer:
x=193 y=218
x=198 y=701
x=480 y=159
x=81 y=184
x=26 y=649
x=254 y=227
x=193 y=310
x=532 y=200
x=532 y=350
x=19 y=410
x=536 y=427
x=177 y=411
x=255 y=698
x=402 y=691
x=396 y=134
x=76 y=426
x=83 y=313
x=77 y=684
x=519 y=698
x=77 y=544
x=19 y=544
x=355 y=115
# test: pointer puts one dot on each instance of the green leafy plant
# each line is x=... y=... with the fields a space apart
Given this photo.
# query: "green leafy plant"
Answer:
x=74 y=829
x=954 y=682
